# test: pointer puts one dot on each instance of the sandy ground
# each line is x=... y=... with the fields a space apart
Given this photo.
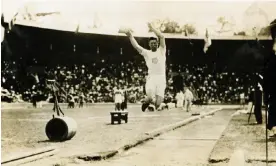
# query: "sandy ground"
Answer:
x=248 y=137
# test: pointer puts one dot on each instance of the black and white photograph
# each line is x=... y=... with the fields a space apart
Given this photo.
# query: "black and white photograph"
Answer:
x=138 y=83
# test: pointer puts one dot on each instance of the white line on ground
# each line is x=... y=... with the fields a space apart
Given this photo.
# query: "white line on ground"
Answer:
x=192 y=139
x=143 y=116
x=31 y=120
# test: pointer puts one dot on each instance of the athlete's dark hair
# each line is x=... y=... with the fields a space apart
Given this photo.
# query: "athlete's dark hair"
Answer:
x=153 y=38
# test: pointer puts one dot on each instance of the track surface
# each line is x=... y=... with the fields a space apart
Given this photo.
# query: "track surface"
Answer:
x=24 y=129
x=189 y=145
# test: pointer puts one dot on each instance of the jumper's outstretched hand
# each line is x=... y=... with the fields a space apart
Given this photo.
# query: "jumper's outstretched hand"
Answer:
x=129 y=32
x=126 y=31
x=150 y=26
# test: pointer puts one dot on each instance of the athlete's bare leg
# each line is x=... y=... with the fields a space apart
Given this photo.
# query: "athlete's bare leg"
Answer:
x=158 y=102
x=150 y=99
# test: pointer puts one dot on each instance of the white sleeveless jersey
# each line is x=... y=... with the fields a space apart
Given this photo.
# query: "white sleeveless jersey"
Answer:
x=156 y=61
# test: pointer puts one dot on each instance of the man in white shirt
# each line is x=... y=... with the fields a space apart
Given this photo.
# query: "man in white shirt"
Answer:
x=179 y=99
x=71 y=103
x=188 y=97
x=242 y=100
x=118 y=98
x=156 y=62
x=81 y=100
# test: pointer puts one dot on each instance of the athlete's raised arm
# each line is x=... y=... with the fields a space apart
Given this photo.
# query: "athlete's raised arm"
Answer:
x=158 y=34
x=134 y=42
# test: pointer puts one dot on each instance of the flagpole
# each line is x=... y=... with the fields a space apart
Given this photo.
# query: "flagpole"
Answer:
x=266 y=135
x=266 y=109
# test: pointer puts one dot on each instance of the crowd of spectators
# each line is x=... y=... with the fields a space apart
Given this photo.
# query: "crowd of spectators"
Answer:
x=98 y=81
x=216 y=87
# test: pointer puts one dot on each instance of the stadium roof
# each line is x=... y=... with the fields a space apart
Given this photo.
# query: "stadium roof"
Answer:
x=142 y=35
x=67 y=15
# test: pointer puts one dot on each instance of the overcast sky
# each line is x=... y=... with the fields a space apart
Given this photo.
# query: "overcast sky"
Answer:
x=135 y=14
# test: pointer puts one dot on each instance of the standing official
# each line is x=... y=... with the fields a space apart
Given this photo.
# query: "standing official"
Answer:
x=258 y=104
x=188 y=98
x=270 y=83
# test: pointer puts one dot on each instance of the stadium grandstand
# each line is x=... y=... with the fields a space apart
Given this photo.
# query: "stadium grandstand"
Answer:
x=93 y=62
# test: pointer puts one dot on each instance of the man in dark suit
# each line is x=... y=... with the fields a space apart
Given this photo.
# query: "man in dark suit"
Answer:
x=270 y=83
x=258 y=104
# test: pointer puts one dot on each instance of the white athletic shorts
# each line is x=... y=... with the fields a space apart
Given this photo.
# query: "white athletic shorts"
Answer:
x=156 y=85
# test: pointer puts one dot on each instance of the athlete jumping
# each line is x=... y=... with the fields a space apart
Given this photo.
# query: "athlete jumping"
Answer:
x=156 y=62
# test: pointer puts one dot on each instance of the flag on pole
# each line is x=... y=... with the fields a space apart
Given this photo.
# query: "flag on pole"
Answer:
x=78 y=28
x=2 y=28
x=208 y=41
